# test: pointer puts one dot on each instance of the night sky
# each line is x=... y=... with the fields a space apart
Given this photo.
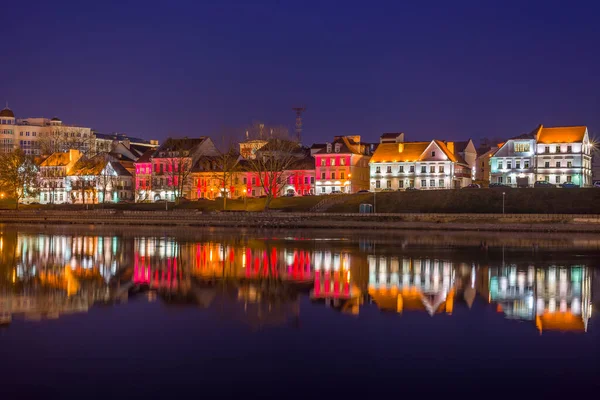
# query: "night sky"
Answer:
x=447 y=69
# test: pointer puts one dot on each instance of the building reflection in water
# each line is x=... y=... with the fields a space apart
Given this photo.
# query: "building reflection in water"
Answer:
x=261 y=281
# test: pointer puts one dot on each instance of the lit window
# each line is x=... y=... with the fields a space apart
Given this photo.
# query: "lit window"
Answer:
x=557 y=178
x=441 y=168
x=558 y=164
x=377 y=170
x=432 y=182
x=401 y=169
x=423 y=169
x=441 y=183
x=569 y=164
x=377 y=184
x=423 y=183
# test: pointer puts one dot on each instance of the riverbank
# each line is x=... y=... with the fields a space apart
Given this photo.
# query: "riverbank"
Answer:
x=563 y=223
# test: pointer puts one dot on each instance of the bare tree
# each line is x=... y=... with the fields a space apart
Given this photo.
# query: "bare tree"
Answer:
x=271 y=162
x=107 y=179
x=178 y=167
x=18 y=175
x=62 y=138
x=226 y=166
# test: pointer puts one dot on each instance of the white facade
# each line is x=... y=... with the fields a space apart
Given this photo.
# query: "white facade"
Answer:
x=513 y=164
x=559 y=163
x=423 y=165
x=29 y=134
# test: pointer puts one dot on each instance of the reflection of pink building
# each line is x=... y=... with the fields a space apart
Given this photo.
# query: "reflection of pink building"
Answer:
x=342 y=166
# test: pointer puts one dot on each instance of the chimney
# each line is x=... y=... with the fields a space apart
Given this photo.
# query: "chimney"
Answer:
x=450 y=146
x=400 y=138
x=400 y=147
x=74 y=155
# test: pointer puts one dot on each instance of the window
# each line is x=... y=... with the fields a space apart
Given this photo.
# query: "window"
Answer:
x=389 y=169
x=245 y=180
x=499 y=179
x=342 y=161
x=557 y=178
x=432 y=182
x=432 y=169
x=388 y=184
x=329 y=147
x=337 y=147
x=547 y=178
x=253 y=181
x=377 y=170
x=508 y=180
x=401 y=169
x=433 y=154
x=526 y=164
x=322 y=162
x=547 y=149
x=323 y=175
x=569 y=150
x=568 y=178
x=342 y=175
x=558 y=164
x=423 y=169
x=20 y=133
x=332 y=162
x=441 y=169
x=401 y=184
x=377 y=184
x=312 y=179
x=412 y=168
x=306 y=180
x=322 y=189
x=509 y=164
x=26 y=133
x=33 y=133
x=547 y=164
x=521 y=147
x=45 y=196
x=569 y=164
x=333 y=175
x=557 y=149
x=254 y=192
x=518 y=164
x=500 y=165
x=441 y=183
x=423 y=183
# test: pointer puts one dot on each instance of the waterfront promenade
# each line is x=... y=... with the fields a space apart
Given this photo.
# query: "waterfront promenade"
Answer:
x=402 y=221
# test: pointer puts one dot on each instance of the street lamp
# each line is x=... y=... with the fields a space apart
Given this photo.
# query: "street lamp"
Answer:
x=503 y=195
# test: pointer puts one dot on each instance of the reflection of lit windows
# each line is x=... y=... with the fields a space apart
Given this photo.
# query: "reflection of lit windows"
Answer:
x=540 y=306
x=576 y=306
x=552 y=305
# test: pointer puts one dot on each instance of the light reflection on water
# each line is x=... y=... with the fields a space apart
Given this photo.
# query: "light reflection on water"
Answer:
x=529 y=279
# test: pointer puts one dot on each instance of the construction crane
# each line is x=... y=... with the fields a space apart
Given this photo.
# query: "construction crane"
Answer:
x=299 y=111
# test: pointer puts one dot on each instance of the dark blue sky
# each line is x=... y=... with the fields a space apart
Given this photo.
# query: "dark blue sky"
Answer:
x=449 y=69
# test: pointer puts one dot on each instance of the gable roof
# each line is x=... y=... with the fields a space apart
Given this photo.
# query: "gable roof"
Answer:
x=58 y=159
x=411 y=151
x=460 y=147
x=446 y=151
x=120 y=169
x=146 y=157
x=561 y=134
x=89 y=167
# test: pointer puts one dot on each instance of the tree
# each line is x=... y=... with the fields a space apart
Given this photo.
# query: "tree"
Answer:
x=226 y=167
x=63 y=138
x=18 y=175
x=178 y=166
x=271 y=161
x=107 y=179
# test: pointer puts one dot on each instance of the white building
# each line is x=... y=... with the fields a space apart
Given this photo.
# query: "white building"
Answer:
x=564 y=154
x=555 y=154
x=54 y=186
x=36 y=136
x=423 y=165
x=513 y=164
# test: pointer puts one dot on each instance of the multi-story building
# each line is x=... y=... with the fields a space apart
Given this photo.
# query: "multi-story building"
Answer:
x=38 y=136
x=513 y=164
x=210 y=180
x=553 y=154
x=300 y=178
x=564 y=154
x=172 y=165
x=54 y=188
x=143 y=176
x=424 y=165
x=482 y=164
x=99 y=180
x=342 y=166
x=107 y=142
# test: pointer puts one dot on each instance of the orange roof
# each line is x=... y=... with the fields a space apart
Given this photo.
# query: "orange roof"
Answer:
x=408 y=151
x=56 y=160
x=446 y=151
x=561 y=134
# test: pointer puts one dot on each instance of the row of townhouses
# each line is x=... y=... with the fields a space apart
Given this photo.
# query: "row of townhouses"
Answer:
x=78 y=165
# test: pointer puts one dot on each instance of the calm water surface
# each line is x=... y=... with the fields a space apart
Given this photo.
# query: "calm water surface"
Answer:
x=93 y=312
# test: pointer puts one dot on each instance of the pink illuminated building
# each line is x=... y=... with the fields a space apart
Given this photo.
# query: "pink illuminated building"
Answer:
x=342 y=166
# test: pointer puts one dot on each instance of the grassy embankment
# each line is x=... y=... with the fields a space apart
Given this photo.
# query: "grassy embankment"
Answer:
x=519 y=201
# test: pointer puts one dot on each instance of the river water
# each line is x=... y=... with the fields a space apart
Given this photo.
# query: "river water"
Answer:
x=91 y=312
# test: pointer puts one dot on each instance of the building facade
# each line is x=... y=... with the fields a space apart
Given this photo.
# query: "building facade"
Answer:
x=556 y=155
x=514 y=162
x=37 y=136
x=564 y=154
x=342 y=166
x=423 y=165
x=483 y=168
x=54 y=185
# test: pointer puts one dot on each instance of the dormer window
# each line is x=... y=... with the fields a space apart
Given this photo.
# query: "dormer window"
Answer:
x=433 y=154
x=337 y=147
x=329 y=147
